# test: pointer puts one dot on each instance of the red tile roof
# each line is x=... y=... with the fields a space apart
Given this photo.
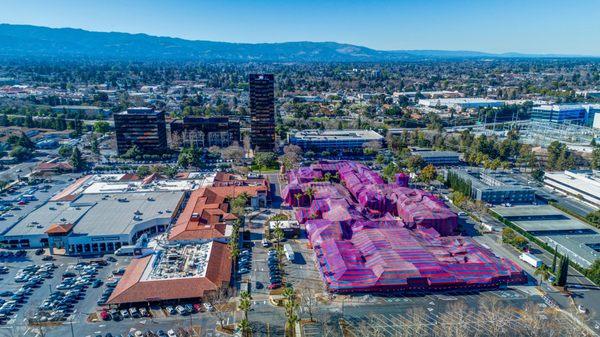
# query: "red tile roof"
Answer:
x=131 y=289
x=57 y=229
x=206 y=211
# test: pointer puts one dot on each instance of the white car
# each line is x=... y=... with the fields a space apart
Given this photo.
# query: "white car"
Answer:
x=171 y=333
x=581 y=309
x=208 y=307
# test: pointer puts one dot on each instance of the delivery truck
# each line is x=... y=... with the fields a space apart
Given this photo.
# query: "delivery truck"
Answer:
x=531 y=260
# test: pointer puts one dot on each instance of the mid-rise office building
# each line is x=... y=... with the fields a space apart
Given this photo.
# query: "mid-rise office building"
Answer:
x=327 y=140
x=262 y=111
x=565 y=113
x=142 y=127
x=494 y=187
x=438 y=157
x=204 y=131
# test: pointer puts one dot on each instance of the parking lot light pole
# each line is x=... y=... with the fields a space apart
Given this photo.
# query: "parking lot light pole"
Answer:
x=71 y=324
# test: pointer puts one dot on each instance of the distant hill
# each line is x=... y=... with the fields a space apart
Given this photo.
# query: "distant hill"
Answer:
x=34 y=42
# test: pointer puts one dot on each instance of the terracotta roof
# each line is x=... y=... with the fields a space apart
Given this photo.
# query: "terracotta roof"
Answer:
x=206 y=211
x=69 y=193
x=57 y=229
x=61 y=166
x=131 y=289
x=150 y=178
x=129 y=177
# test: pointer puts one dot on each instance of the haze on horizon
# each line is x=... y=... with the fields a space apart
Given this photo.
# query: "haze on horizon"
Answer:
x=497 y=26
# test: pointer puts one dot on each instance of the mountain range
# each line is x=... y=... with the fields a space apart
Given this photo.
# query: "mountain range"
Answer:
x=35 y=42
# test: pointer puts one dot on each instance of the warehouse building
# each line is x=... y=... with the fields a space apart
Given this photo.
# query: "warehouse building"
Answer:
x=584 y=185
x=578 y=240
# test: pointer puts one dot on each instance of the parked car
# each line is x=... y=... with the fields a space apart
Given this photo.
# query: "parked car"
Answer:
x=104 y=315
x=208 y=307
x=181 y=310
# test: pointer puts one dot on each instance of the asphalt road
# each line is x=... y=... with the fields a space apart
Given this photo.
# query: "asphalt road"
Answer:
x=584 y=292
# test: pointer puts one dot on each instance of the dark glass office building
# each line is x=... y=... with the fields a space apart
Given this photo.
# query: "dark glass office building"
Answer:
x=143 y=127
x=205 y=131
x=262 y=111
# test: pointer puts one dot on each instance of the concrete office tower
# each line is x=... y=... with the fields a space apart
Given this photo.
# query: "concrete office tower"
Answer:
x=143 y=127
x=262 y=111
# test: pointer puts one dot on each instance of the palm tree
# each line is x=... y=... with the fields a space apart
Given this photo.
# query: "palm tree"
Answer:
x=278 y=233
x=310 y=192
x=245 y=328
x=290 y=305
x=543 y=273
x=298 y=196
x=245 y=303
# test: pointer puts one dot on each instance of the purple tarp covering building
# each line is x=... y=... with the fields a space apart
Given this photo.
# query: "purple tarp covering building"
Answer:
x=372 y=236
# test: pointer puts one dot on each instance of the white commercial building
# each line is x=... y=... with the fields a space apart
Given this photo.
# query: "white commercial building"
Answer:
x=460 y=104
x=581 y=184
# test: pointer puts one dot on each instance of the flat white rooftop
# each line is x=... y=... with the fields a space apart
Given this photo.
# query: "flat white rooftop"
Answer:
x=338 y=135
x=178 y=262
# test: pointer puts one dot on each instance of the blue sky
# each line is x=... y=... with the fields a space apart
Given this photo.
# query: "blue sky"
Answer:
x=529 y=26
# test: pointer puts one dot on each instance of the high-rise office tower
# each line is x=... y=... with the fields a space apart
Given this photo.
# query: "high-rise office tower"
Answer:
x=143 y=127
x=262 y=111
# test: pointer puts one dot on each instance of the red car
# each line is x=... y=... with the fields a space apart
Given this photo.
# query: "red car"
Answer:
x=104 y=315
x=22 y=203
x=197 y=307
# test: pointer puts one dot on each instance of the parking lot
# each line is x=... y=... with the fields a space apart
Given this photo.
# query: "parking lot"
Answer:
x=421 y=314
x=16 y=210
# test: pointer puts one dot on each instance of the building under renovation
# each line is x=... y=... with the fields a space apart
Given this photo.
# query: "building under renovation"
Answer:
x=369 y=235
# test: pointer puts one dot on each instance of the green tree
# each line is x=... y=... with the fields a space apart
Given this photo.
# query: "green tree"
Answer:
x=593 y=273
x=427 y=174
x=238 y=204
x=94 y=145
x=142 y=171
x=20 y=153
x=25 y=142
x=101 y=127
x=189 y=156
x=265 y=160
x=290 y=305
x=415 y=163
x=76 y=159
x=595 y=161
x=310 y=193
x=563 y=271
x=245 y=327
x=132 y=153
x=278 y=233
x=245 y=303
x=65 y=150
x=538 y=175
x=594 y=218
x=554 y=256
x=543 y=273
